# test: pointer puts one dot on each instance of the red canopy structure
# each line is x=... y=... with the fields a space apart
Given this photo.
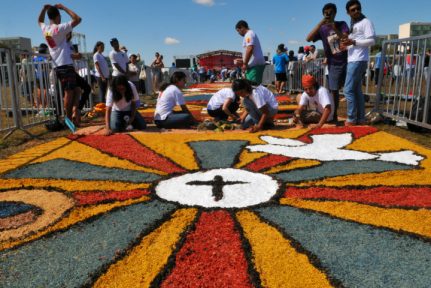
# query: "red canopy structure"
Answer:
x=215 y=60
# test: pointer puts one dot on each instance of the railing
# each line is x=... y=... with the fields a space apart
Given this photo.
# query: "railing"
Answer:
x=29 y=91
x=403 y=93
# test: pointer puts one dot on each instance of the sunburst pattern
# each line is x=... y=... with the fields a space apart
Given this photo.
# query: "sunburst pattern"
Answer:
x=218 y=210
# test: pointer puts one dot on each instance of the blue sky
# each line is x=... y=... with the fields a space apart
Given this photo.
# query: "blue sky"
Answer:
x=185 y=27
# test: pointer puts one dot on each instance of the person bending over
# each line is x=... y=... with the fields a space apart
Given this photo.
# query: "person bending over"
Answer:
x=224 y=104
x=259 y=104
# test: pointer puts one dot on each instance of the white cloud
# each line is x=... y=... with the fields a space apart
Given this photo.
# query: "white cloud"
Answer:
x=208 y=3
x=294 y=42
x=171 y=41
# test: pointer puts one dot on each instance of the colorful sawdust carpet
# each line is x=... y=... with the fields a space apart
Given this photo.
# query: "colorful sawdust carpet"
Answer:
x=198 y=95
x=330 y=207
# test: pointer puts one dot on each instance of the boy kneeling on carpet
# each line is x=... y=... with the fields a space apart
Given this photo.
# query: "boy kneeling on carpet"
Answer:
x=121 y=114
x=317 y=97
x=259 y=103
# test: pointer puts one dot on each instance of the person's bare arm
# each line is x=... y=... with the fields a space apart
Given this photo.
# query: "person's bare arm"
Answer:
x=119 y=68
x=41 y=18
x=248 y=54
x=324 y=117
x=262 y=120
x=315 y=30
x=75 y=18
x=108 y=130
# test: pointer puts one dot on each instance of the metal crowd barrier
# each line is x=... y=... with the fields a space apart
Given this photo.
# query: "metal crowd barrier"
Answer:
x=403 y=91
x=294 y=72
x=30 y=94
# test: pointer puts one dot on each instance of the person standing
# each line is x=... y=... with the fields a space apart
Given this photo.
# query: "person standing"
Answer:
x=156 y=67
x=118 y=59
x=331 y=32
x=280 y=60
x=134 y=70
x=378 y=65
x=253 y=62
x=55 y=35
x=362 y=36
x=102 y=70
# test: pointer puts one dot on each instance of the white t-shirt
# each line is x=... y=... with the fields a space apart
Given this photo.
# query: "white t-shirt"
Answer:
x=59 y=48
x=171 y=97
x=361 y=31
x=322 y=99
x=121 y=105
x=250 y=39
x=262 y=96
x=121 y=59
x=103 y=65
x=218 y=99
x=136 y=69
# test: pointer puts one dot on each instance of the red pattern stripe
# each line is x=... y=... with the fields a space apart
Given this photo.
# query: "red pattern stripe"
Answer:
x=123 y=146
x=212 y=256
x=357 y=132
x=384 y=196
x=266 y=162
x=88 y=198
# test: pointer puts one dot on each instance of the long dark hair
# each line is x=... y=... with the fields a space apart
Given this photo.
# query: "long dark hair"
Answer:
x=98 y=44
x=117 y=81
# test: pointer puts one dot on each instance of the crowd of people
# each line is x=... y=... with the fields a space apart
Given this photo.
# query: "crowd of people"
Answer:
x=346 y=51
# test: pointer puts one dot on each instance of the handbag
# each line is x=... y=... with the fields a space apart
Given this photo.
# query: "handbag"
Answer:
x=143 y=74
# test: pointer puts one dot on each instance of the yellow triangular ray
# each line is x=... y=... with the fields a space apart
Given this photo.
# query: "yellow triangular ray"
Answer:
x=414 y=221
x=292 y=165
x=174 y=146
x=28 y=155
x=71 y=185
x=276 y=261
x=147 y=259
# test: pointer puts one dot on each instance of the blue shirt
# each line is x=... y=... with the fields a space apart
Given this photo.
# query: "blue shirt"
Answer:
x=280 y=61
x=378 y=64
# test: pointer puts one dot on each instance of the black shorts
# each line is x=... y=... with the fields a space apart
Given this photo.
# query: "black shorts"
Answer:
x=67 y=76
x=282 y=77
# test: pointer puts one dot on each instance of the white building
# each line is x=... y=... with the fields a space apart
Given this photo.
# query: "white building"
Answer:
x=412 y=29
x=18 y=43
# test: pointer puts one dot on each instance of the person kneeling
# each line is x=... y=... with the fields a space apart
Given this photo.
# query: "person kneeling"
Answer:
x=121 y=114
x=165 y=116
x=318 y=97
x=224 y=104
x=259 y=103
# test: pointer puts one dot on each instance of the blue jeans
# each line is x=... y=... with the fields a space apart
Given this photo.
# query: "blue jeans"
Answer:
x=353 y=92
x=118 y=124
x=175 y=120
x=254 y=114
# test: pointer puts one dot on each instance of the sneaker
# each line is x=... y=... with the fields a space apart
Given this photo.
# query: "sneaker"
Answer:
x=348 y=124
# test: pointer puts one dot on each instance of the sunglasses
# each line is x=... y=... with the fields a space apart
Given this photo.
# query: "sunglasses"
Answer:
x=354 y=9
